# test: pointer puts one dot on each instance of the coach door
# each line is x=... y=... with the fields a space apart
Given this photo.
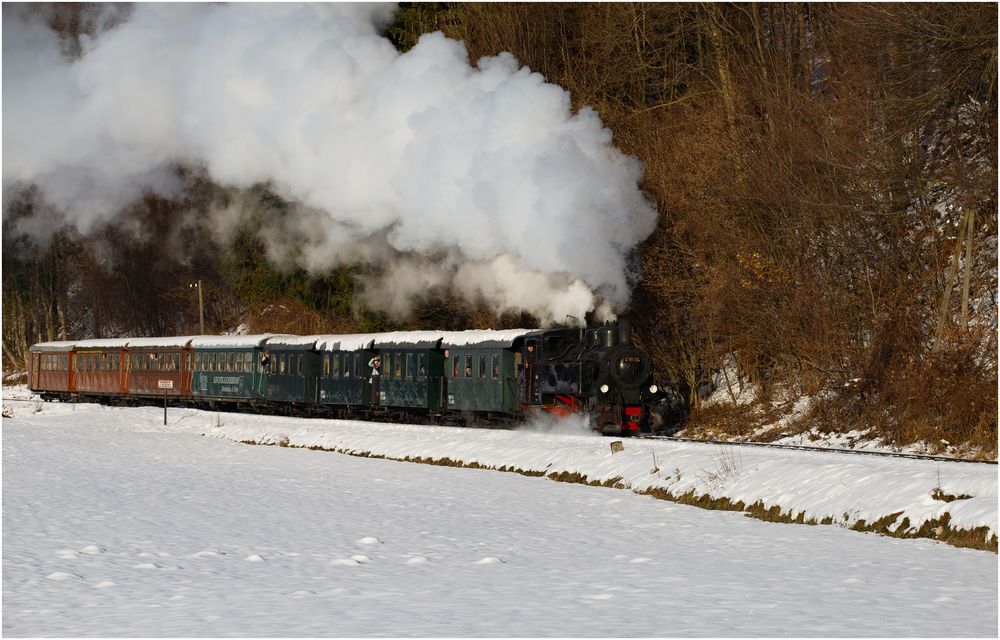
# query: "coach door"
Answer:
x=36 y=366
x=531 y=371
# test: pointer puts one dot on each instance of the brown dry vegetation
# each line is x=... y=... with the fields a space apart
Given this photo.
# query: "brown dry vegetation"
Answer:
x=826 y=181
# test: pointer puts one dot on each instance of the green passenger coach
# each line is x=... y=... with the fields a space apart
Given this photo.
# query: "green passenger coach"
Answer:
x=482 y=377
x=344 y=370
x=294 y=369
x=229 y=368
x=412 y=373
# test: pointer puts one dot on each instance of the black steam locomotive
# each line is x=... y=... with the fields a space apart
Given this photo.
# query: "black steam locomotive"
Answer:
x=600 y=371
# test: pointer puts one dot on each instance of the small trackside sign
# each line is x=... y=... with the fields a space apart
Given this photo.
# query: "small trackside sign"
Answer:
x=165 y=384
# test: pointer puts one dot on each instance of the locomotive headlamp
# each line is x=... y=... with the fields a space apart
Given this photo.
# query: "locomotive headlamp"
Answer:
x=653 y=388
x=604 y=388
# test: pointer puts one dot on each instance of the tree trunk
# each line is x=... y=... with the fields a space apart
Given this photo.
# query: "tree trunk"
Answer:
x=946 y=299
x=970 y=237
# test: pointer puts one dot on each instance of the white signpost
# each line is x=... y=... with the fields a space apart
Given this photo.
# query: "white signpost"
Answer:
x=165 y=384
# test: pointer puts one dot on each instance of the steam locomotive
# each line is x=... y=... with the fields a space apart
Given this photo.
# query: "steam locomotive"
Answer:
x=468 y=377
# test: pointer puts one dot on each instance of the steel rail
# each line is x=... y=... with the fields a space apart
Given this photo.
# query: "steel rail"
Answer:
x=801 y=447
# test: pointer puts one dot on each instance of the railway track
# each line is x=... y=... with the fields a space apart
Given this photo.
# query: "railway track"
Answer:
x=800 y=447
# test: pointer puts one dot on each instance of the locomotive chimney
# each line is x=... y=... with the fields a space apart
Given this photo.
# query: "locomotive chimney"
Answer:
x=624 y=331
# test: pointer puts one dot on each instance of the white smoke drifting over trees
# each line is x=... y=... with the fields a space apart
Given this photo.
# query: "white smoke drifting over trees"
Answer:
x=476 y=178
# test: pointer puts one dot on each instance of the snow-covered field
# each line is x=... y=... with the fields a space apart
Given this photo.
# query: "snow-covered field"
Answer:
x=116 y=525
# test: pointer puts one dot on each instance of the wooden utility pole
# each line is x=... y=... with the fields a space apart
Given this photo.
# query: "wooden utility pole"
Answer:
x=201 y=311
x=201 y=308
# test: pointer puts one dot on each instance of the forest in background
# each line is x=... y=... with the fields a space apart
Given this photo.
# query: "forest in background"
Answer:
x=825 y=177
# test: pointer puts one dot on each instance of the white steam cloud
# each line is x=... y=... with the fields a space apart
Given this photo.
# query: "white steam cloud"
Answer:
x=479 y=179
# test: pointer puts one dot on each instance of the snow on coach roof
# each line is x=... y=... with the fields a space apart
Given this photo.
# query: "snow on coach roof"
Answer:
x=345 y=342
x=61 y=345
x=210 y=342
x=170 y=342
x=103 y=343
x=291 y=341
x=355 y=341
x=488 y=337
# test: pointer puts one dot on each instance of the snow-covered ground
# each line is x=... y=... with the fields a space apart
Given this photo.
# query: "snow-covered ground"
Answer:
x=114 y=524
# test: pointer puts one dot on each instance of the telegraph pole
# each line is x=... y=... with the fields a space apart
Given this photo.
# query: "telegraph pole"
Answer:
x=201 y=308
x=201 y=311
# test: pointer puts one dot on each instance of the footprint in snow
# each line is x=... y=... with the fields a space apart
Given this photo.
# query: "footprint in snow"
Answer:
x=344 y=562
x=254 y=558
x=207 y=553
x=105 y=584
x=92 y=550
x=417 y=560
x=490 y=560
x=360 y=558
x=62 y=575
x=147 y=565
x=369 y=540
x=599 y=596
x=640 y=560
x=67 y=554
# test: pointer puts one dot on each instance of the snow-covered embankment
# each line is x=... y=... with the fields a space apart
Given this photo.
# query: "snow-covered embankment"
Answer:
x=952 y=501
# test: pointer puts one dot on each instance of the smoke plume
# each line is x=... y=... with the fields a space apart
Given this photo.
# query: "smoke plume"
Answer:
x=478 y=178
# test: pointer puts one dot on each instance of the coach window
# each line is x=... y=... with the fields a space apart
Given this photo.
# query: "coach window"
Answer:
x=496 y=366
x=421 y=366
x=230 y=361
x=282 y=363
x=468 y=366
x=409 y=367
x=454 y=367
x=326 y=365
x=482 y=366
x=357 y=365
x=335 y=366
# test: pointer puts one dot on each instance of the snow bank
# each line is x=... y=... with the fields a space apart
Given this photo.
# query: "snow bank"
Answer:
x=821 y=486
